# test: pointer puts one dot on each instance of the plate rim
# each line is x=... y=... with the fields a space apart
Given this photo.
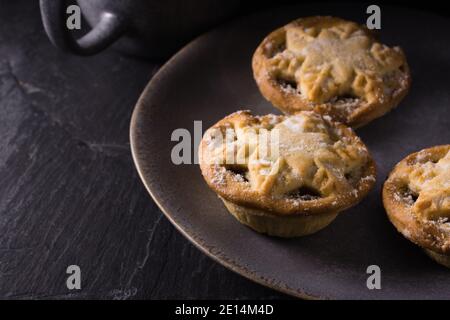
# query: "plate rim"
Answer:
x=231 y=264
x=133 y=136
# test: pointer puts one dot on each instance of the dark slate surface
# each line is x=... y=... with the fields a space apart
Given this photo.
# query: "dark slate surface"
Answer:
x=69 y=192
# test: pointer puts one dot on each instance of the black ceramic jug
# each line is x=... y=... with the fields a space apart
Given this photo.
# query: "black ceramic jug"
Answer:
x=150 y=28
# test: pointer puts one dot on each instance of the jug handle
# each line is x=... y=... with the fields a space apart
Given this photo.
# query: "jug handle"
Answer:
x=107 y=31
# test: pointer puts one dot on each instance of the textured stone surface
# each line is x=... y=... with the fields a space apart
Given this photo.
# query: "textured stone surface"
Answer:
x=69 y=192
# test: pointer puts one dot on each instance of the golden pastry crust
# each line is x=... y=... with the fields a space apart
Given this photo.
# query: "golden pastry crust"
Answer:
x=311 y=166
x=331 y=66
x=274 y=225
x=416 y=197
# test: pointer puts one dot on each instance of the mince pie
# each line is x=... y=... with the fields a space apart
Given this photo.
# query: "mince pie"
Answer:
x=282 y=175
x=332 y=66
x=416 y=196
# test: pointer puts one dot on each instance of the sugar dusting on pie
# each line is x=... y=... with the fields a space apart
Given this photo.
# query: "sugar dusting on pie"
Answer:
x=303 y=152
x=416 y=196
x=429 y=183
x=336 y=59
x=332 y=63
x=285 y=175
x=294 y=158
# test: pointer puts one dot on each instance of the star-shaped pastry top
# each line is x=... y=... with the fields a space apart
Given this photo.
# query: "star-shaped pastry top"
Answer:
x=331 y=58
x=430 y=182
x=279 y=155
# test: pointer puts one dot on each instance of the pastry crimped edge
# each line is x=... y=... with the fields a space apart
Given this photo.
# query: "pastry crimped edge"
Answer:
x=282 y=217
x=291 y=102
x=427 y=236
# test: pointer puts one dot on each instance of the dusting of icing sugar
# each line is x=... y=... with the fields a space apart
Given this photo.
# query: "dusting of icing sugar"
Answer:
x=273 y=119
x=296 y=202
x=443 y=220
x=301 y=141
x=219 y=175
x=289 y=89
x=409 y=199
x=295 y=123
x=347 y=104
x=239 y=178
x=443 y=224
x=368 y=178
x=397 y=197
x=421 y=156
x=405 y=198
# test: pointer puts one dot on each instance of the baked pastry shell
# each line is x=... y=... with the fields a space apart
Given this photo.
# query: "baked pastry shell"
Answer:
x=427 y=235
x=273 y=225
x=291 y=102
x=252 y=202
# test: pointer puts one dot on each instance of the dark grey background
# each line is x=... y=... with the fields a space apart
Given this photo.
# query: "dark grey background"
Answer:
x=69 y=192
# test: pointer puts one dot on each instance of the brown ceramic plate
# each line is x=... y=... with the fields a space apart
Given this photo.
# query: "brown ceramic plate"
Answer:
x=212 y=77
